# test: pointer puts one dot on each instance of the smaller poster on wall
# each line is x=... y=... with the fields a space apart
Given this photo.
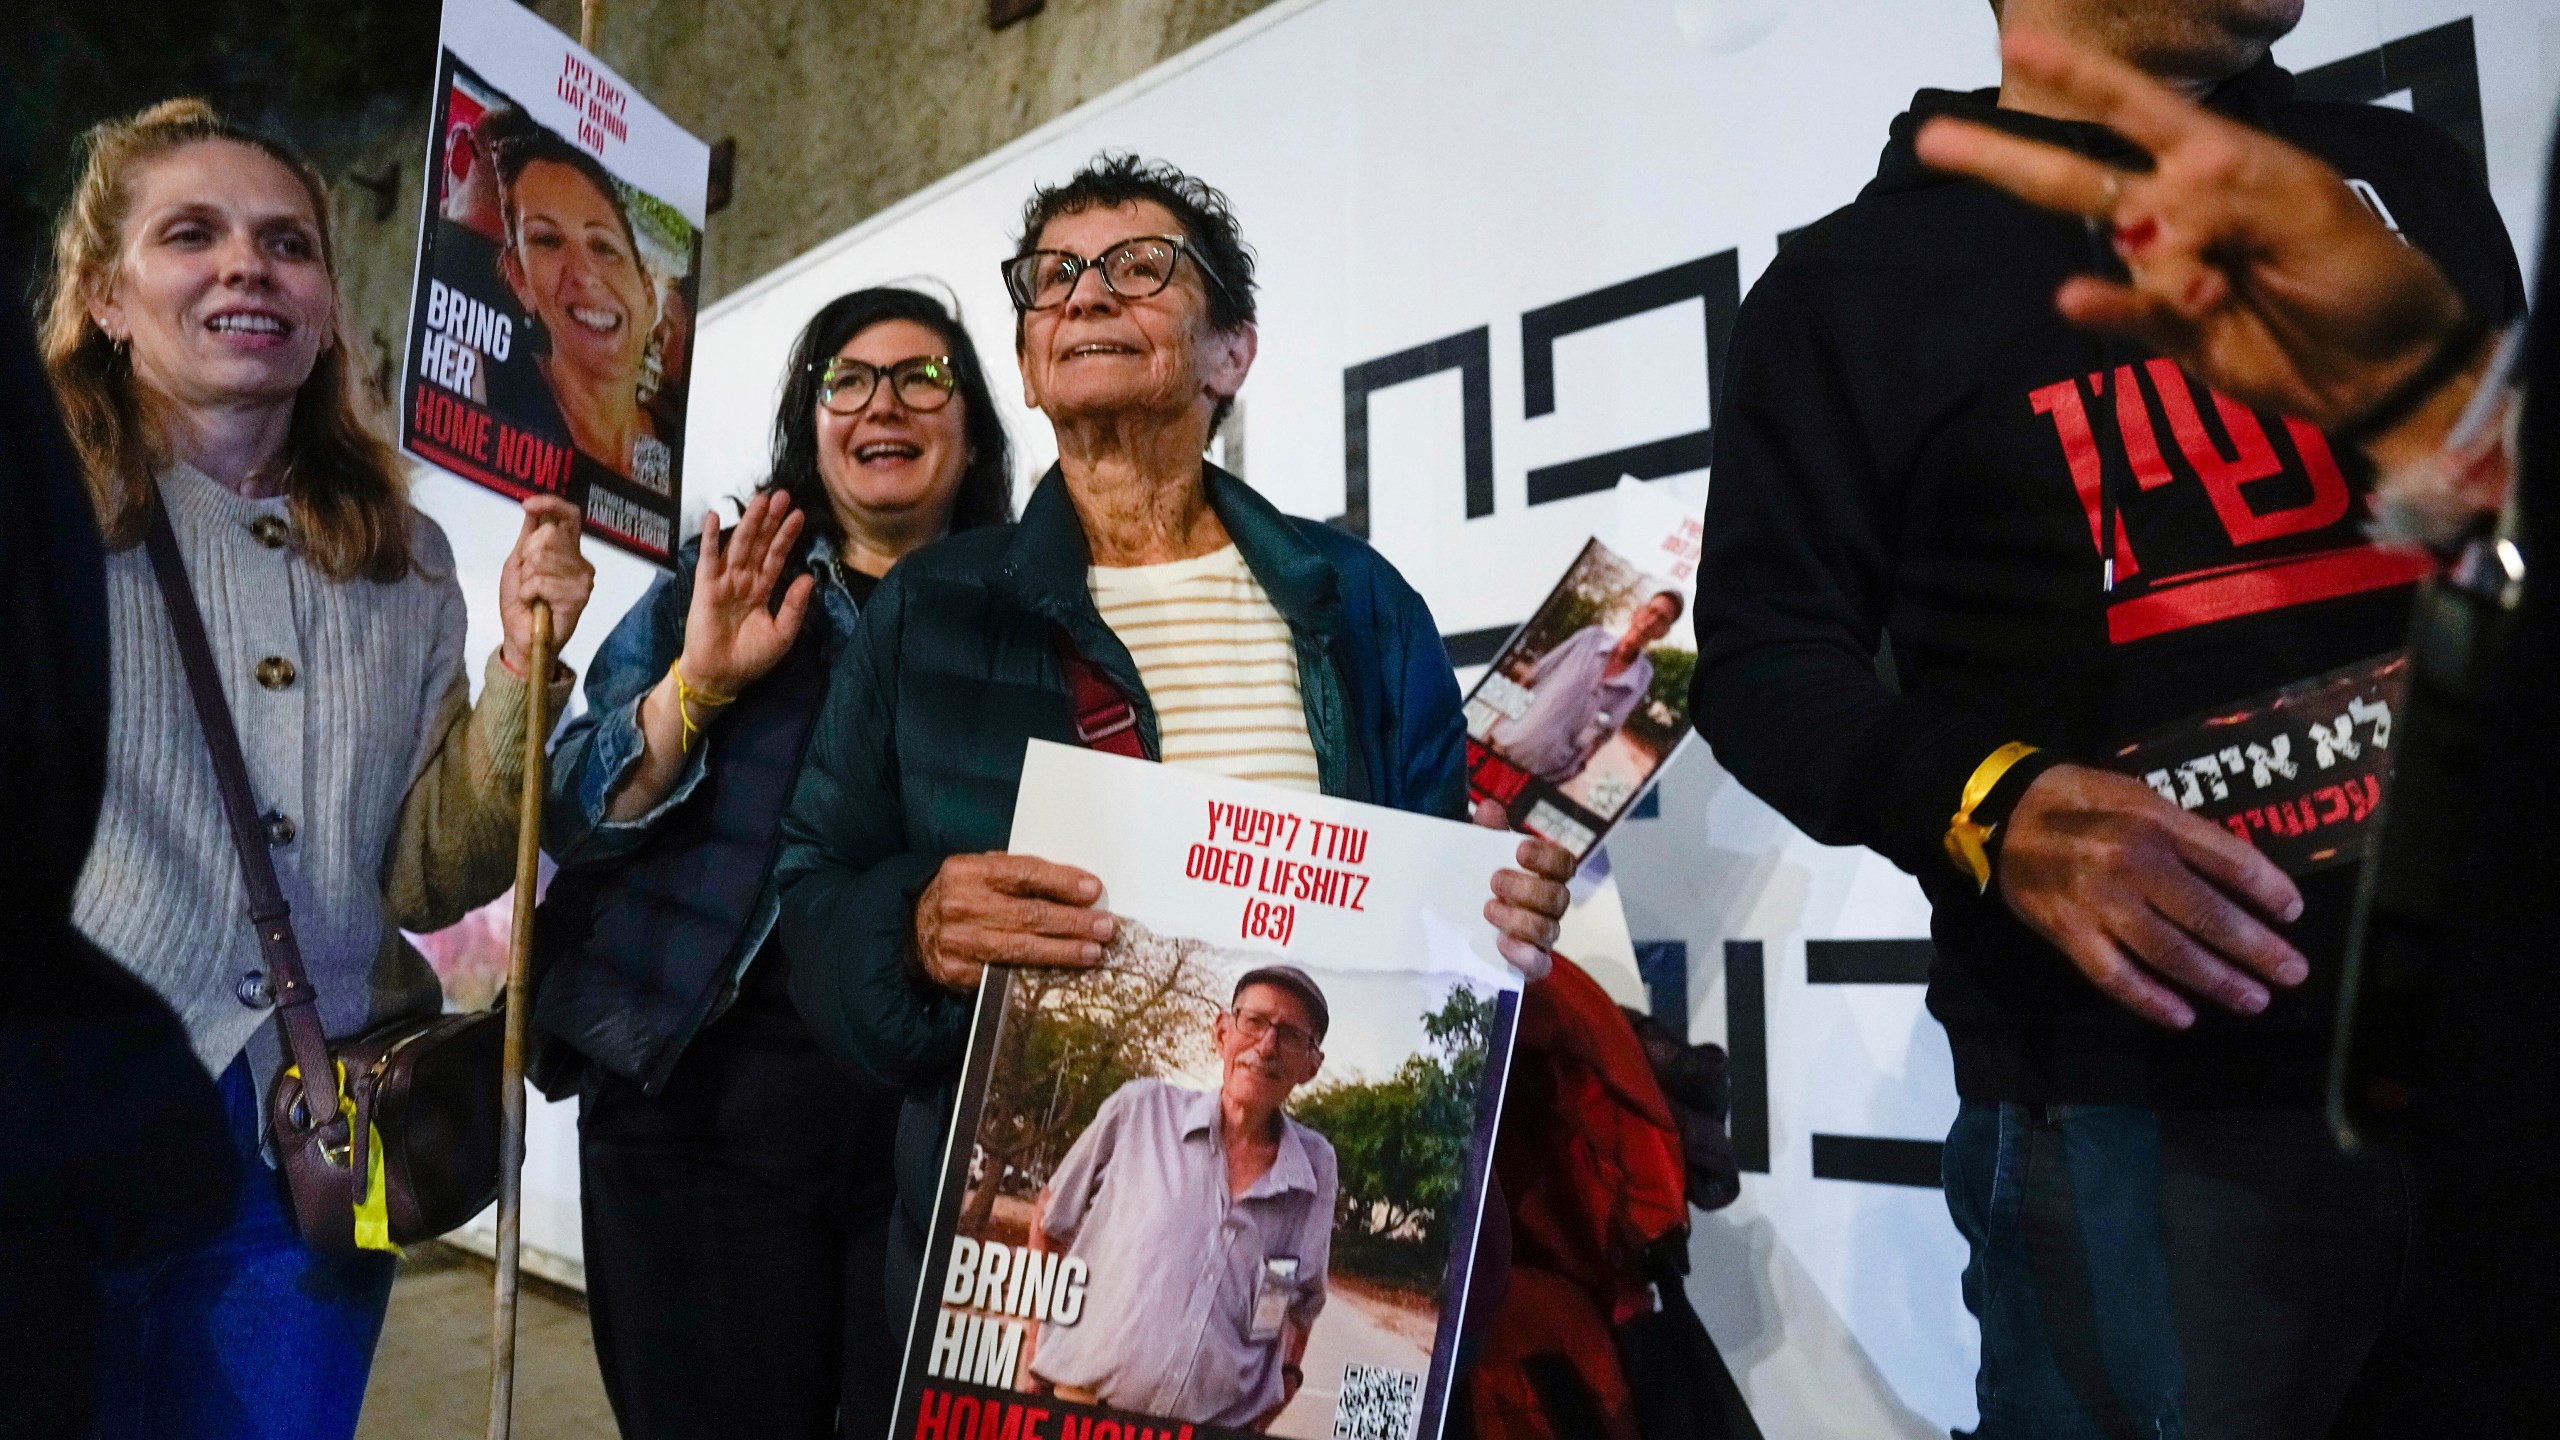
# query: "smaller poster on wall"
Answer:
x=1588 y=701
x=1227 y=1182
x=551 y=333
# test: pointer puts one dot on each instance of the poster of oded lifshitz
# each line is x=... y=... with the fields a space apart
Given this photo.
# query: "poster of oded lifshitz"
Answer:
x=1227 y=1182
x=1589 y=699
x=551 y=336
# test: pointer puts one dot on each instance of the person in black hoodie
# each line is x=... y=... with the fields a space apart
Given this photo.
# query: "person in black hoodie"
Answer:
x=2053 y=542
x=2251 y=264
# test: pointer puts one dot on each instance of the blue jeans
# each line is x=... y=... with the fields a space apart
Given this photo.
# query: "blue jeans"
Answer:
x=2170 y=1273
x=247 y=1335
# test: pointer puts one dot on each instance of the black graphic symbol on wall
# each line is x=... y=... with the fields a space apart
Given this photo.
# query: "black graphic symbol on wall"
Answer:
x=1663 y=966
x=1476 y=647
x=1468 y=352
x=2440 y=68
x=1715 y=281
x=1872 y=1159
x=1877 y=1160
x=1746 y=1046
x=1867 y=962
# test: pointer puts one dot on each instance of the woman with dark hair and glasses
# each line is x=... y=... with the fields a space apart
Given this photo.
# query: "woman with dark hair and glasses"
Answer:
x=1229 y=637
x=734 y=1198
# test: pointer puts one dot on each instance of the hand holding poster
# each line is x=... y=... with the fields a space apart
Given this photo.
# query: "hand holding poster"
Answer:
x=551 y=332
x=1226 y=1182
x=1586 y=702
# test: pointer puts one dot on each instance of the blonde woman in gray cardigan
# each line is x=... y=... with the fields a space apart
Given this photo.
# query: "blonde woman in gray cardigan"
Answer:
x=192 y=338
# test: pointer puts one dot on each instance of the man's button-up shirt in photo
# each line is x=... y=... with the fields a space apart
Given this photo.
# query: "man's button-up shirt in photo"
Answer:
x=1575 y=705
x=1174 y=1263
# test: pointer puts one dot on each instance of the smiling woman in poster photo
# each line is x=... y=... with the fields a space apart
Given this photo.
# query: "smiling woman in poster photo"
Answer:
x=193 y=336
x=572 y=257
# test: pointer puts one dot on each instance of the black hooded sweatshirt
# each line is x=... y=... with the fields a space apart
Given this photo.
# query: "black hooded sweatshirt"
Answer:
x=1912 y=450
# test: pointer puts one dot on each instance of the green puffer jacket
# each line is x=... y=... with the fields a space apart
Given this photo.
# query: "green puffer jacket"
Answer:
x=953 y=670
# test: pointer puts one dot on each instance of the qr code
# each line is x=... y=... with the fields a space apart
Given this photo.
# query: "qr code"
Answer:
x=1377 y=1403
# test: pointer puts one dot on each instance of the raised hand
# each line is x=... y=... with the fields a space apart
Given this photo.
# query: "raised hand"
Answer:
x=731 y=637
x=2152 y=904
x=2251 y=263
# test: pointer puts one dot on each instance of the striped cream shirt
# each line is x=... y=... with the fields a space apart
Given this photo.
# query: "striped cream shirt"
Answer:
x=1218 y=664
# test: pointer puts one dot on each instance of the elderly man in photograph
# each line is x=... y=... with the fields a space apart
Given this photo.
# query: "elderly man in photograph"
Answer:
x=1583 y=690
x=1205 y=1219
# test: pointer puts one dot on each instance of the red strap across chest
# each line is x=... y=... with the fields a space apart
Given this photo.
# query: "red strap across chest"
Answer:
x=1104 y=718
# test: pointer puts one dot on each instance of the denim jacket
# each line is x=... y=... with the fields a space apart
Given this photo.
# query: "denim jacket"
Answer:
x=598 y=750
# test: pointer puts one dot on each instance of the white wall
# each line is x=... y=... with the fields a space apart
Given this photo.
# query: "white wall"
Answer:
x=1412 y=169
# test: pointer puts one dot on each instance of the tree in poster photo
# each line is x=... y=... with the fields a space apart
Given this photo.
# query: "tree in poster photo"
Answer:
x=1401 y=1147
x=1070 y=1040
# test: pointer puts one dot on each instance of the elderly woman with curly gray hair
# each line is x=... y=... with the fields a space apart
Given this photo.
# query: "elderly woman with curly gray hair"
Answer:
x=1227 y=635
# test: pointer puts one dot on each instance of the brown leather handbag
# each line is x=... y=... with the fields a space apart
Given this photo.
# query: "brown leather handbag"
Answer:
x=424 y=1090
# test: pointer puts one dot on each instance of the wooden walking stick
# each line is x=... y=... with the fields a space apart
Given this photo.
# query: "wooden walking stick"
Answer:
x=537 y=731
x=502 y=1326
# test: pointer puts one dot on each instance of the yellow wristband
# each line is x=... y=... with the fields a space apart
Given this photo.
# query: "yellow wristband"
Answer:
x=686 y=698
x=1968 y=842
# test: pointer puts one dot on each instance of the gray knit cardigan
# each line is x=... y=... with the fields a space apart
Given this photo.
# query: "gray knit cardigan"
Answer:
x=356 y=718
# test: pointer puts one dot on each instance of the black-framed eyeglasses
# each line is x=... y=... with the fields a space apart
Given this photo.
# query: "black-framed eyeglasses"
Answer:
x=1288 y=1039
x=1133 y=270
x=921 y=382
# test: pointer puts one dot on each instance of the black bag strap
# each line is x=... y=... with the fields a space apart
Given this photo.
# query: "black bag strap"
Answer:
x=297 y=1004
